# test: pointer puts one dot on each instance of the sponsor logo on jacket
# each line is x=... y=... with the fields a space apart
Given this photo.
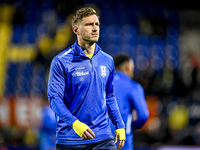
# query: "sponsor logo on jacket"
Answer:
x=81 y=73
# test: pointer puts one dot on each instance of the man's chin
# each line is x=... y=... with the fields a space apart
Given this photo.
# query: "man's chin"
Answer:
x=93 y=40
x=96 y=40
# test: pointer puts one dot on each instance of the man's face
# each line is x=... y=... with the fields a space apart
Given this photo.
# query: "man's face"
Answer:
x=88 y=29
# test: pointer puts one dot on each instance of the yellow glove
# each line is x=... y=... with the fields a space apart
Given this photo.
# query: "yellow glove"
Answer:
x=79 y=127
x=120 y=133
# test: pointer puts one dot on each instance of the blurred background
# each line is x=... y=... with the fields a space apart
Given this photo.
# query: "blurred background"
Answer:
x=163 y=38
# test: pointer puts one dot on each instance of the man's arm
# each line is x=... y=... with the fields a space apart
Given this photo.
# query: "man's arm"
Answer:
x=139 y=104
x=113 y=111
x=56 y=87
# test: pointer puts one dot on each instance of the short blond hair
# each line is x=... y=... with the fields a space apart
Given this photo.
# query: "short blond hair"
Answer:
x=81 y=13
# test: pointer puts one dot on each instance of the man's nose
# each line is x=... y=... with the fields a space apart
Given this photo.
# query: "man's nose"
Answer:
x=95 y=28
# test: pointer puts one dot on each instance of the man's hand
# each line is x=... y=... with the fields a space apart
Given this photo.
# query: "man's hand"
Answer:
x=88 y=134
x=83 y=130
x=120 y=133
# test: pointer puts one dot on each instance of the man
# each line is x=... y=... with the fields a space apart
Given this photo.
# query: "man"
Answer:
x=81 y=90
x=130 y=97
x=47 y=128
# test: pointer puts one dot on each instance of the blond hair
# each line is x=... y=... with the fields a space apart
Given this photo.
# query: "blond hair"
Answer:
x=81 y=13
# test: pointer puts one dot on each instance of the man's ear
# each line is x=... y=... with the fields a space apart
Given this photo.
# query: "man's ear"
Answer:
x=126 y=66
x=75 y=30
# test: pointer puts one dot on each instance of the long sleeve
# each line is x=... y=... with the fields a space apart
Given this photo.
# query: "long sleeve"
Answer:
x=56 y=87
x=111 y=102
x=139 y=103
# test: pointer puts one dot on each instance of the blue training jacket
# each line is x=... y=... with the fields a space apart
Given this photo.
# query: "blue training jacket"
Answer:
x=83 y=88
x=130 y=96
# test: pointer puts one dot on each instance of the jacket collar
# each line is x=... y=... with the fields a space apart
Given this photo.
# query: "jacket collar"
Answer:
x=79 y=49
x=122 y=74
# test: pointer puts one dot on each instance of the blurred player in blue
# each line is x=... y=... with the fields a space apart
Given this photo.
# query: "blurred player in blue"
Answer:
x=47 y=128
x=130 y=98
x=81 y=90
